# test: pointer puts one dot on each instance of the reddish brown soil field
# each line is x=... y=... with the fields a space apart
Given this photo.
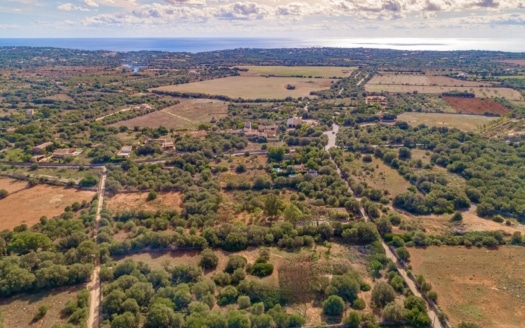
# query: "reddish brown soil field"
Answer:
x=476 y=106
x=27 y=206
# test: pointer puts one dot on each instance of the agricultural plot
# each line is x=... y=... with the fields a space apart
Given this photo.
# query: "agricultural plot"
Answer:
x=476 y=106
x=481 y=92
x=420 y=80
x=253 y=87
x=29 y=205
x=462 y=122
x=19 y=311
x=189 y=113
x=476 y=285
x=378 y=175
x=138 y=201
x=12 y=185
x=298 y=71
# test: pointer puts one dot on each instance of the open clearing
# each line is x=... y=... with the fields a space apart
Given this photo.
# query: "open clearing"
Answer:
x=379 y=176
x=27 y=206
x=440 y=224
x=420 y=80
x=480 y=92
x=138 y=201
x=477 y=285
x=303 y=71
x=189 y=113
x=12 y=185
x=519 y=62
x=253 y=87
x=460 y=121
x=476 y=106
x=18 y=311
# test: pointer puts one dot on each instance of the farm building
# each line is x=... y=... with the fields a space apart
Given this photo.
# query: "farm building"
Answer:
x=66 y=152
x=376 y=100
x=166 y=144
x=41 y=148
x=125 y=151
x=294 y=122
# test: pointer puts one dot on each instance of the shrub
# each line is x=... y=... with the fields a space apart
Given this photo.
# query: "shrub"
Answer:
x=456 y=217
x=42 y=310
x=333 y=305
x=359 y=304
x=262 y=269
x=3 y=193
x=243 y=302
x=209 y=259
x=235 y=262
x=152 y=195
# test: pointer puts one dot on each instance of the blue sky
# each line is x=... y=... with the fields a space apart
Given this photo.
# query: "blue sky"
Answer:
x=263 y=18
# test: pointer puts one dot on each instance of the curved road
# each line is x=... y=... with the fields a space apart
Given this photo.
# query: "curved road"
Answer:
x=332 y=135
x=94 y=316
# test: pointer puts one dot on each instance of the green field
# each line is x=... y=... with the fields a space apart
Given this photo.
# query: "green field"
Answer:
x=463 y=122
x=305 y=71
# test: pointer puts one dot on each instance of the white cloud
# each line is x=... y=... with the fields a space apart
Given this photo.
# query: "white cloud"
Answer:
x=71 y=7
x=90 y=3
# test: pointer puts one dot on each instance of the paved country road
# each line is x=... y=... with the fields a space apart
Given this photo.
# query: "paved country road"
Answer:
x=94 y=316
x=332 y=136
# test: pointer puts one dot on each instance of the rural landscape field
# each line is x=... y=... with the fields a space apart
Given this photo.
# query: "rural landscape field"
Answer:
x=261 y=188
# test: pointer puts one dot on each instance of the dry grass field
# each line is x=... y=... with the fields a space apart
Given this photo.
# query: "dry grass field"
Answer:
x=440 y=224
x=519 y=62
x=27 y=206
x=138 y=201
x=60 y=97
x=18 y=311
x=382 y=177
x=189 y=113
x=477 y=285
x=12 y=185
x=253 y=87
x=305 y=71
x=461 y=122
x=428 y=80
x=480 y=92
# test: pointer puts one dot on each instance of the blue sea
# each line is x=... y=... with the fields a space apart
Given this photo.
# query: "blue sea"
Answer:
x=195 y=45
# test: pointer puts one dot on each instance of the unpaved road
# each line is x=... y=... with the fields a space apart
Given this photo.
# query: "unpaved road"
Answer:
x=94 y=285
x=332 y=135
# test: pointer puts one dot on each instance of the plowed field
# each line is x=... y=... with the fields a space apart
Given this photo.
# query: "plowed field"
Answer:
x=476 y=106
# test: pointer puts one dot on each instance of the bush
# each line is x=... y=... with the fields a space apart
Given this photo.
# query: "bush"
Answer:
x=433 y=296
x=3 y=193
x=42 y=310
x=152 y=195
x=262 y=269
x=457 y=217
x=333 y=305
x=353 y=320
x=209 y=259
x=359 y=304
x=243 y=302
x=235 y=262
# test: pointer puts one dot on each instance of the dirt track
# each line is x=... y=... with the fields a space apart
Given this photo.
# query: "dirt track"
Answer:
x=94 y=317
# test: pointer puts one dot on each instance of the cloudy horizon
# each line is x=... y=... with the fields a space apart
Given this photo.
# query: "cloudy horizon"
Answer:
x=265 y=18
